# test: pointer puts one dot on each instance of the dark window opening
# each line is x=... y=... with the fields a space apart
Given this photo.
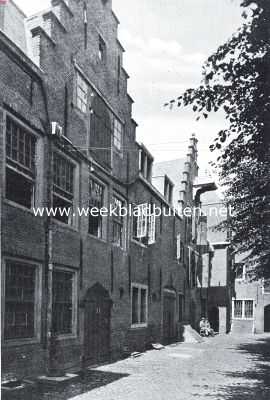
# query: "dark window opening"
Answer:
x=101 y=50
x=19 y=188
x=20 y=284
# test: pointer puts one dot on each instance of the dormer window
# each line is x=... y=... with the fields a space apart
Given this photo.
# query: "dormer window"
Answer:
x=145 y=164
x=168 y=189
x=101 y=50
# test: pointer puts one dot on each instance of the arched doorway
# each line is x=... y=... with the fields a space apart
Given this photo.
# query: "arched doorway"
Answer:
x=267 y=318
x=97 y=325
x=213 y=317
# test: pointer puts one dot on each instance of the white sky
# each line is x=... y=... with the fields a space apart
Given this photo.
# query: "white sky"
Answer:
x=166 y=42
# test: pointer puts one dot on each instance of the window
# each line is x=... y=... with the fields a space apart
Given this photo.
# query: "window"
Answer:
x=145 y=164
x=240 y=272
x=117 y=135
x=101 y=50
x=20 y=300
x=179 y=248
x=139 y=305
x=266 y=286
x=193 y=268
x=168 y=189
x=96 y=201
x=243 y=309
x=82 y=93
x=101 y=128
x=118 y=222
x=20 y=164
x=118 y=74
x=63 y=190
x=144 y=224
x=63 y=308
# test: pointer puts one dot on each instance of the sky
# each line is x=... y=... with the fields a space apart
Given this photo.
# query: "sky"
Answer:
x=166 y=43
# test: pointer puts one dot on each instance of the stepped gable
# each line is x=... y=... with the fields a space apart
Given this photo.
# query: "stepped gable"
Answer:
x=180 y=171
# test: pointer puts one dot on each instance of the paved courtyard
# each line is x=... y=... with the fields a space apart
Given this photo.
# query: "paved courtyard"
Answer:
x=223 y=367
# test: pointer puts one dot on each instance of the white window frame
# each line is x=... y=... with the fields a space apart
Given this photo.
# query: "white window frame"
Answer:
x=37 y=311
x=139 y=286
x=146 y=223
x=73 y=334
x=38 y=180
x=72 y=219
x=103 y=234
x=118 y=133
x=267 y=291
x=244 y=275
x=178 y=247
x=243 y=309
x=82 y=89
x=114 y=221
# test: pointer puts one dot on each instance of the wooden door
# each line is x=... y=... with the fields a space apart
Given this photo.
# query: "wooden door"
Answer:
x=267 y=318
x=97 y=326
x=169 y=325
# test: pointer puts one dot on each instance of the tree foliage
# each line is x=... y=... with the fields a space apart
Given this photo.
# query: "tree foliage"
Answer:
x=236 y=79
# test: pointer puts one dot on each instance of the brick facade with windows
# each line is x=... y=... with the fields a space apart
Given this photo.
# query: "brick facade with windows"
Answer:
x=67 y=140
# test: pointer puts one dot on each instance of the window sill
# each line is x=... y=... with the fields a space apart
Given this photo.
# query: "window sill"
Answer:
x=70 y=227
x=243 y=319
x=118 y=246
x=20 y=342
x=100 y=239
x=70 y=336
x=139 y=243
x=20 y=207
x=139 y=326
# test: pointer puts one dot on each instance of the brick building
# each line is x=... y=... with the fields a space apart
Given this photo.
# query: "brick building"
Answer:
x=220 y=277
x=79 y=289
x=250 y=301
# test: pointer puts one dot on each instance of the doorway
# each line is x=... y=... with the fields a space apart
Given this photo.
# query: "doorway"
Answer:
x=97 y=325
x=213 y=317
x=169 y=322
x=267 y=318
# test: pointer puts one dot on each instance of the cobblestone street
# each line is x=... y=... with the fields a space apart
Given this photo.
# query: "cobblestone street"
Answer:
x=223 y=367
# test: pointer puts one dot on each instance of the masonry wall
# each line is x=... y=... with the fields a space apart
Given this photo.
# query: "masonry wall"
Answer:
x=22 y=234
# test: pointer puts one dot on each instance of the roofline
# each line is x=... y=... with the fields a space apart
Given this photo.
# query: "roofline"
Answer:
x=21 y=55
x=18 y=8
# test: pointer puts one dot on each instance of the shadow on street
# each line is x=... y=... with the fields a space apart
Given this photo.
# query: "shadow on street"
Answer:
x=252 y=384
x=87 y=382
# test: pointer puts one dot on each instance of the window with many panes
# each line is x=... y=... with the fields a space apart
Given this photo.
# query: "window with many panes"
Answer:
x=20 y=164
x=96 y=202
x=243 y=309
x=20 y=300
x=117 y=135
x=118 y=222
x=63 y=188
x=144 y=224
x=63 y=307
x=82 y=93
x=139 y=304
